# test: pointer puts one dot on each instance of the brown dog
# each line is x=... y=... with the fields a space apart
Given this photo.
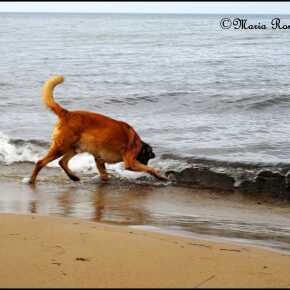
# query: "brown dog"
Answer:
x=108 y=140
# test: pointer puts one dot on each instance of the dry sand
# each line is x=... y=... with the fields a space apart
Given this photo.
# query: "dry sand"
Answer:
x=53 y=252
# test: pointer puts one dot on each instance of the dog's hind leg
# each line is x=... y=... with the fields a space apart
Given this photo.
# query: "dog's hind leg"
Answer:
x=102 y=169
x=64 y=164
x=52 y=154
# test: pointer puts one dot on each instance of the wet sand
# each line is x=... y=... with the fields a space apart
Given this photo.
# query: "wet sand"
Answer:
x=60 y=234
x=192 y=212
x=64 y=252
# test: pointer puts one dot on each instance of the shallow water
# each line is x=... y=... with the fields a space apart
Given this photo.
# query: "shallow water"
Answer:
x=192 y=212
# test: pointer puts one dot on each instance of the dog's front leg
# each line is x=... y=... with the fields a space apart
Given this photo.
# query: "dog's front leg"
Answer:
x=137 y=166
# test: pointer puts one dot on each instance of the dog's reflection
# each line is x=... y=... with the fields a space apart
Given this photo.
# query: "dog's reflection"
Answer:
x=106 y=203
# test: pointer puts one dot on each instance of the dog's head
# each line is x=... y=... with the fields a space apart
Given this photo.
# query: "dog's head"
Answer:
x=145 y=153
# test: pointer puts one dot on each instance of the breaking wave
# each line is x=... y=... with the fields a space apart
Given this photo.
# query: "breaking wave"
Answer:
x=201 y=172
x=17 y=150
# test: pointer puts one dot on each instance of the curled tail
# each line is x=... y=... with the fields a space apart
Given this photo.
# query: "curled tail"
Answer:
x=47 y=95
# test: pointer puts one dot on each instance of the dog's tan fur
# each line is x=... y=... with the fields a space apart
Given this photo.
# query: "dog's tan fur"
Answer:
x=108 y=140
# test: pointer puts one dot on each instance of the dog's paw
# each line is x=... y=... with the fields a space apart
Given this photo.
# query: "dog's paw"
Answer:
x=74 y=178
x=160 y=176
x=164 y=178
x=104 y=178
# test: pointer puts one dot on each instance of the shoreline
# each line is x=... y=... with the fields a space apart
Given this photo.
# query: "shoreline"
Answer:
x=194 y=213
x=41 y=251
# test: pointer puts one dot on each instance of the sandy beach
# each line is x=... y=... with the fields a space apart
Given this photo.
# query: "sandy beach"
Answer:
x=39 y=251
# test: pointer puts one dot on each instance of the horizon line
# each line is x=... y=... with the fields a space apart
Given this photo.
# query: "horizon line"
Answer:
x=157 y=13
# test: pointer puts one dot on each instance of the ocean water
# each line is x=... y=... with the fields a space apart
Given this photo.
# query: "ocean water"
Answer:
x=188 y=87
x=213 y=103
